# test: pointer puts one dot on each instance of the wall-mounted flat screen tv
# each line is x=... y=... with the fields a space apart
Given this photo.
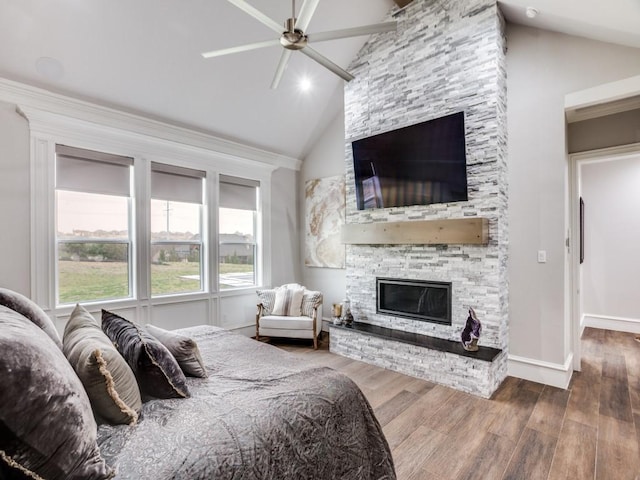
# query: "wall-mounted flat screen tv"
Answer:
x=416 y=165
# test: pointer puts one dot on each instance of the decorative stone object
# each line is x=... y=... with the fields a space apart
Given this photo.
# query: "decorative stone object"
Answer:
x=471 y=333
x=347 y=316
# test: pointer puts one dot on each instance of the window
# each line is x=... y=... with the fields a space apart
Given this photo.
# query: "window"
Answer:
x=95 y=229
x=176 y=230
x=237 y=232
x=93 y=225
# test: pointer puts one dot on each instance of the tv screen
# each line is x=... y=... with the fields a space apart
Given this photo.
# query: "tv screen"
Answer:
x=416 y=165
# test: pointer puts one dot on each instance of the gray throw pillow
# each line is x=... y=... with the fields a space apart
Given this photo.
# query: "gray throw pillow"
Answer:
x=267 y=298
x=156 y=370
x=184 y=349
x=30 y=309
x=310 y=300
x=47 y=429
x=106 y=376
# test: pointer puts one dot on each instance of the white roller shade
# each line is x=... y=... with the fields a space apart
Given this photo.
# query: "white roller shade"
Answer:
x=176 y=184
x=238 y=193
x=95 y=172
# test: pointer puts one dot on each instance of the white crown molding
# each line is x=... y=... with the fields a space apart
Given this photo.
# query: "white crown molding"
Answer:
x=603 y=109
x=606 y=99
x=32 y=100
x=84 y=134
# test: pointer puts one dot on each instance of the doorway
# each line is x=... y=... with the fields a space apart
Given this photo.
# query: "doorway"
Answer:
x=606 y=227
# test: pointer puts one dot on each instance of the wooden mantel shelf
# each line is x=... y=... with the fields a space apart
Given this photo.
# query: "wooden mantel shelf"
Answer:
x=471 y=230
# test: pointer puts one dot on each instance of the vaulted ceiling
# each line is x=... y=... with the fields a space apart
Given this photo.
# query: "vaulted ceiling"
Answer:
x=143 y=56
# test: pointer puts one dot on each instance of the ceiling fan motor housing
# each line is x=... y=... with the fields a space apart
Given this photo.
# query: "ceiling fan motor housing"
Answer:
x=293 y=38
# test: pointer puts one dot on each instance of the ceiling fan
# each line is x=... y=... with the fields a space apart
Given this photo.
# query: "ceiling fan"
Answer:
x=294 y=37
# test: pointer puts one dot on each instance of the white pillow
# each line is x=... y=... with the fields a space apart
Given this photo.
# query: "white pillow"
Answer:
x=288 y=301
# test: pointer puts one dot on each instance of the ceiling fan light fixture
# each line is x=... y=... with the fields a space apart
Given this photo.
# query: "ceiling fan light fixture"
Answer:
x=293 y=38
x=293 y=41
x=305 y=84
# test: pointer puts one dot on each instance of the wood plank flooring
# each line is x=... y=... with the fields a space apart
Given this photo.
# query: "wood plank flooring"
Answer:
x=527 y=431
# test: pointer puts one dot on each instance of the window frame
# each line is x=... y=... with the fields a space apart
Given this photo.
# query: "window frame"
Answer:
x=255 y=252
x=171 y=169
x=104 y=130
x=257 y=234
x=88 y=155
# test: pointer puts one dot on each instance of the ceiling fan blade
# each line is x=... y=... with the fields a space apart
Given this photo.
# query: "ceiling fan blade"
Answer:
x=306 y=12
x=353 y=32
x=240 y=48
x=282 y=65
x=257 y=14
x=325 y=62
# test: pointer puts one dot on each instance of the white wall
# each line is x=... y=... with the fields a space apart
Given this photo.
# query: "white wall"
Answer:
x=285 y=242
x=610 y=279
x=14 y=201
x=325 y=159
x=542 y=67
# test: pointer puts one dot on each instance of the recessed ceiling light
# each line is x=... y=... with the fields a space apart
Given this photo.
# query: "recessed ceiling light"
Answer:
x=305 y=84
x=532 y=12
x=49 y=68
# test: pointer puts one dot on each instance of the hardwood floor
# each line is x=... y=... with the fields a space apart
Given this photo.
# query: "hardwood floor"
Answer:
x=527 y=431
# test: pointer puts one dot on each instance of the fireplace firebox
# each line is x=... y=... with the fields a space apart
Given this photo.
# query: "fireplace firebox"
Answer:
x=416 y=299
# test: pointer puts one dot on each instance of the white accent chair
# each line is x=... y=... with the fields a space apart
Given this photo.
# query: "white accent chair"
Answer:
x=300 y=322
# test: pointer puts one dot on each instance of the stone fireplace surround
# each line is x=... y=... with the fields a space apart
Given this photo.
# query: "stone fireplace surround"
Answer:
x=446 y=57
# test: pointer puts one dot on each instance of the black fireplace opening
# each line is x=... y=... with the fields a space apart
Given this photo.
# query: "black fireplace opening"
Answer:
x=416 y=299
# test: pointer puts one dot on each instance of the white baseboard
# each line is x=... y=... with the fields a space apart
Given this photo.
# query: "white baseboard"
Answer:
x=620 y=324
x=553 y=374
x=325 y=324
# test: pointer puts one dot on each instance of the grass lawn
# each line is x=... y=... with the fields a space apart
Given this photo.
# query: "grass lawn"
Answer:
x=83 y=281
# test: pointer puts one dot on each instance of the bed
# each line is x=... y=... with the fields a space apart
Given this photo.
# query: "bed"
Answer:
x=262 y=413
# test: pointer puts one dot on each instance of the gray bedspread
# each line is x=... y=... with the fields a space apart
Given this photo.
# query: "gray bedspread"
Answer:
x=262 y=414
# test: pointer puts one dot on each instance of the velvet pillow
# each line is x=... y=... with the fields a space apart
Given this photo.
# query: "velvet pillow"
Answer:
x=30 y=309
x=106 y=376
x=47 y=429
x=288 y=301
x=156 y=370
x=184 y=349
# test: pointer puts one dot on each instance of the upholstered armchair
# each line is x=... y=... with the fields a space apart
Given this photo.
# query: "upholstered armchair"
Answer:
x=289 y=311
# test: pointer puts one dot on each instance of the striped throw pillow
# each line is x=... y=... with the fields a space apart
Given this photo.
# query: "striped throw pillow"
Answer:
x=310 y=300
x=288 y=301
x=267 y=298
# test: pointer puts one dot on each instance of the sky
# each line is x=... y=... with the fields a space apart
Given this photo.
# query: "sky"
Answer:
x=91 y=212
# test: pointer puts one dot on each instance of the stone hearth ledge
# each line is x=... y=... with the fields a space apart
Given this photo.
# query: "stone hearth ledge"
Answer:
x=429 y=358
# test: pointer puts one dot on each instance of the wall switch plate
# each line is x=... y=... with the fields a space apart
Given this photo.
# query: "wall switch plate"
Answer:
x=542 y=256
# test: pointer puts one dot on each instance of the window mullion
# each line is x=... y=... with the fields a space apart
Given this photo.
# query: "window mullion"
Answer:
x=212 y=195
x=141 y=217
